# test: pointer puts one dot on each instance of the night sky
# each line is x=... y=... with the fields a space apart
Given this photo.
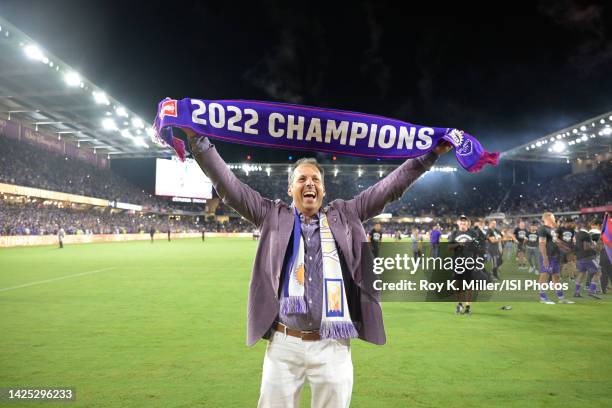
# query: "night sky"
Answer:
x=503 y=79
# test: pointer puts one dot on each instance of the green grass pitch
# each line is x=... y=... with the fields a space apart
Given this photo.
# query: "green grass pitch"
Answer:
x=163 y=325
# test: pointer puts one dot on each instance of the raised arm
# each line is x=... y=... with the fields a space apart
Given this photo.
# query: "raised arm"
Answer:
x=242 y=198
x=372 y=201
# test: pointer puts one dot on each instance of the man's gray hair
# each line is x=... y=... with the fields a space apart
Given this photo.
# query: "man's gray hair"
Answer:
x=305 y=160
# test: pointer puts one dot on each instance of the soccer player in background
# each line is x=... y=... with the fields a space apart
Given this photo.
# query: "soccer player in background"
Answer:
x=152 y=233
x=508 y=243
x=494 y=238
x=375 y=238
x=565 y=233
x=532 y=248
x=595 y=233
x=605 y=267
x=416 y=242
x=549 y=257
x=434 y=240
x=463 y=242
x=60 y=236
x=586 y=254
x=520 y=235
x=481 y=242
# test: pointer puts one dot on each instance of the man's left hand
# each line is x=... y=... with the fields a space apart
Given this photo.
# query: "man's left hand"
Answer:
x=442 y=147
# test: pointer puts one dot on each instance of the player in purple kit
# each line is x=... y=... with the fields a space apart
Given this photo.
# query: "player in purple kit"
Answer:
x=549 y=258
x=434 y=240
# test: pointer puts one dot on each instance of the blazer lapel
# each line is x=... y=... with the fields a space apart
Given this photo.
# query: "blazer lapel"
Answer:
x=285 y=230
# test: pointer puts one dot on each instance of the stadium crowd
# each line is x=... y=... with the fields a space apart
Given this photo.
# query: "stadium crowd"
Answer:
x=28 y=165
x=567 y=193
x=31 y=166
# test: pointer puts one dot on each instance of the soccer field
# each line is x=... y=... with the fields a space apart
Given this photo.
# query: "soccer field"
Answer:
x=163 y=325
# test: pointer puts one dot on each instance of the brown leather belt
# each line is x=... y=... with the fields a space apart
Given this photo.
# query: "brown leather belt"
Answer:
x=304 y=335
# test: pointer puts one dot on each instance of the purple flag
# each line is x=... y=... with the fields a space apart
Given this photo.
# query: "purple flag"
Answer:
x=606 y=235
x=279 y=125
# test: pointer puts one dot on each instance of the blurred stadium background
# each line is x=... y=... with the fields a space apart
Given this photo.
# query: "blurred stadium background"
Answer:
x=67 y=154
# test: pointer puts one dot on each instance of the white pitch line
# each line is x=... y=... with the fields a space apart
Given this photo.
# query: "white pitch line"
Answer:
x=56 y=279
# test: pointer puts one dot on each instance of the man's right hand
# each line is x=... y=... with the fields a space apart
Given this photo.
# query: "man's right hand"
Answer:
x=545 y=263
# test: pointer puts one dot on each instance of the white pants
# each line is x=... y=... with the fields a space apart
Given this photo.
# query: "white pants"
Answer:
x=290 y=362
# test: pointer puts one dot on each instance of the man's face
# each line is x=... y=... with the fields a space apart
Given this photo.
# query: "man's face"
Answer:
x=463 y=224
x=307 y=189
x=492 y=224
x=533 y=228
x=377 y=227
x=521 y=225
x=550 y=221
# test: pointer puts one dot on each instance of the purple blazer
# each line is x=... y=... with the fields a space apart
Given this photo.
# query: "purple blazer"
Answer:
x=275 y=220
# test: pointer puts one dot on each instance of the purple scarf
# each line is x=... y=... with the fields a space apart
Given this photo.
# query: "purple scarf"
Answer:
x=280 y=125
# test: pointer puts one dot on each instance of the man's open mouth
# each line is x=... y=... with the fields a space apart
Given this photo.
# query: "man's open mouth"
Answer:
x=310 y=194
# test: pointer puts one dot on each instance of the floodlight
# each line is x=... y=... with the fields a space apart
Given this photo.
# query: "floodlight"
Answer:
x=101 y=98
x=33 y=52
x=72 y=78
x=137 y=123
x=559 y=147
x=120 y=111
x=109 y=124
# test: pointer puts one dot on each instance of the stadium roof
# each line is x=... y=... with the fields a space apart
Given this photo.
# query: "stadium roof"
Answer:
x=40 y=91
x=586 y=140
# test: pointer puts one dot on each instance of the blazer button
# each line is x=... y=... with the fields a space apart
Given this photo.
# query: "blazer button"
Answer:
x=335 y=219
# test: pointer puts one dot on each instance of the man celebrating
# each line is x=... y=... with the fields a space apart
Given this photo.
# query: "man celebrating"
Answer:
x=308 y=294
x=549 y=258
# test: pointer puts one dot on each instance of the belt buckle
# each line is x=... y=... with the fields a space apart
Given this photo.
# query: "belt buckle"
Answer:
x=304 y=333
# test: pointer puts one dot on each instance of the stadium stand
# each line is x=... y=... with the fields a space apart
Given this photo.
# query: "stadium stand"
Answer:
x=568 y=193
x=28 y=165
x=31 y=166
